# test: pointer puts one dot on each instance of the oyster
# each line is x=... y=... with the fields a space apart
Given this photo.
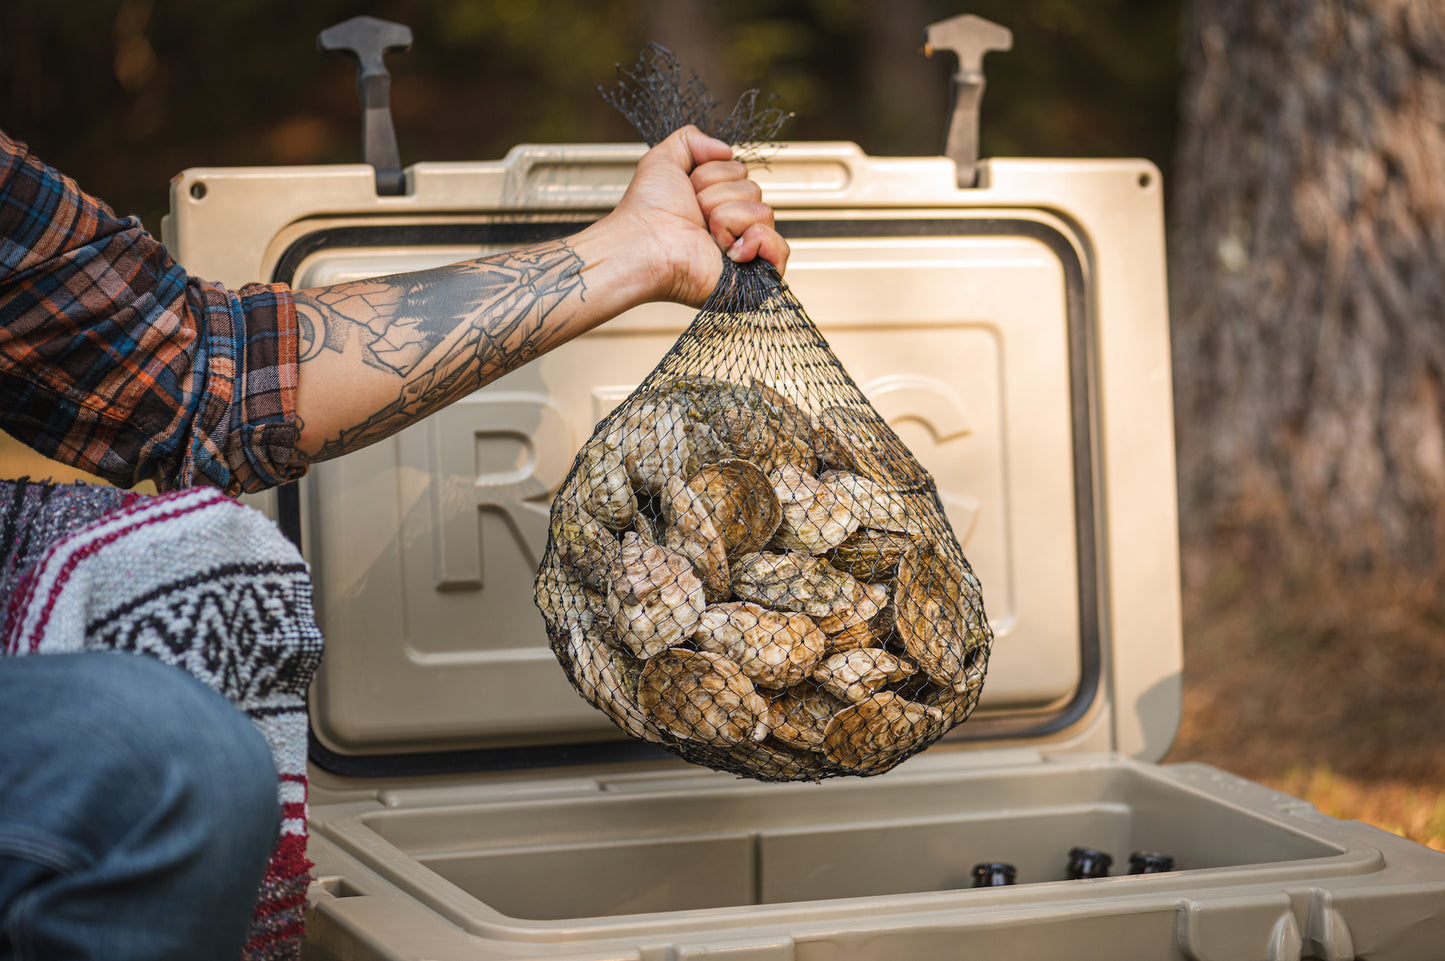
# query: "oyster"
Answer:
x=774 y=648
x=646 y=527
x=870 y=554
x=584 y=546
x=848 y=631
x=742 y=502
x=602 y=487
x=874 y=734
x=702 y=396
x=654 y=442
x=853 y=675
x=795 y=582
x=563 y=599
x=694 y=533
x=770 y=444
x=706 y=447
x=885 y=620
x=655 y=599
x=704 y=697
x=607 y=679
x=883 y=507
x=792 y=450
x=939 y=614
x=799 y=716
x=956 y=704
x=601 y=617
x=747 y=432
x=817 y=516
x=851 y=626
x=768 y=763
x=859 y=442
x=792 y=418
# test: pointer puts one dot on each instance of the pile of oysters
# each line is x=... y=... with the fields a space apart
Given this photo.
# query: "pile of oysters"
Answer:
x=759 y=589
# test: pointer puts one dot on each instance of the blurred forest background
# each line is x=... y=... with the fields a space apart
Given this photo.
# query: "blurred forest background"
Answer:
x=1298 y=141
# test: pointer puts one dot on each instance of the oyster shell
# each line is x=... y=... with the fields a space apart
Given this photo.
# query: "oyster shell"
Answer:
x=792 y=450
x=955 y=704
x=853 y=675
x=851 y=626
x=747 y=432
x=817 y=516
x=563 y=599
x=655 y=599
x=792 y=418
x=851 y=440
x=795 y=582
x=769 y=763
x=869 y=554
x=646 y=527
x=601 y=617
x=654 y=442
x=707 y=446
x=872 y=735
x=883 y=507
x=939 y=614
x=694 y=533
x=849 y=631
x=703 y=697
x=774 y=648
x=800 y=715
x=755 y=436
x=702 y=396
x=884 y=621
x=742 y=502
x=606 y=679
x=584 y=546
x=602 y=485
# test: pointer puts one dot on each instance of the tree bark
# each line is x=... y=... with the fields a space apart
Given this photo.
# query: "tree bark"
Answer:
x=1308 y=272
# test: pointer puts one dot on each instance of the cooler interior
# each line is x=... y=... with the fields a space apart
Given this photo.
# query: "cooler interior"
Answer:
x=656 y=845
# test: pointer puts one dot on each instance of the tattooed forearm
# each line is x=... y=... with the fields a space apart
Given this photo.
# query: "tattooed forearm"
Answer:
x=392 y=321
x=437 y=335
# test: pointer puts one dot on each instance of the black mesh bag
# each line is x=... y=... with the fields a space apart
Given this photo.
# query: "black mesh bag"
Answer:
x=745 y=564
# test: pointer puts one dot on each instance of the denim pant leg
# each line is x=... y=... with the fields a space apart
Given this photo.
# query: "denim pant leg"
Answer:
x=137 y=811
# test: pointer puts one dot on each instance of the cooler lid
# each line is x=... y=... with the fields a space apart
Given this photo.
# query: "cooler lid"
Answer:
x=1014 y=334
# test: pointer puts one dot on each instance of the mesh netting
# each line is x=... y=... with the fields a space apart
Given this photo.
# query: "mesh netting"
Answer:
x=745 y=564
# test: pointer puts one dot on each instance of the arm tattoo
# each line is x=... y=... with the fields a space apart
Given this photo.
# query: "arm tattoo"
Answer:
x=443 y=332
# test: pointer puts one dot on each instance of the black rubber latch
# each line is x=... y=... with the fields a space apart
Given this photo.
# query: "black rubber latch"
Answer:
x=368 y=40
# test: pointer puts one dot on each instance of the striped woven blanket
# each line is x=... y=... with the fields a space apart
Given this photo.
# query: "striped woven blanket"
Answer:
x=199 y=581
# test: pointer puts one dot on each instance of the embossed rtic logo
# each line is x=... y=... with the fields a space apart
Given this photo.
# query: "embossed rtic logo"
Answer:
x=523 y=444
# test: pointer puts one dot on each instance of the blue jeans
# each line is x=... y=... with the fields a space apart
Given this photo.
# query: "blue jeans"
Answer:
x=137 y=811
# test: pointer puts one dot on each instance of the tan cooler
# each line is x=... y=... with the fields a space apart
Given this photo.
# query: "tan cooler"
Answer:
x=467 y=804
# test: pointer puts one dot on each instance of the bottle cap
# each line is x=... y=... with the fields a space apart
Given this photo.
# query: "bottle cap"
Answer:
x=1088 y=863
x=992 y=874
x=1150 y=862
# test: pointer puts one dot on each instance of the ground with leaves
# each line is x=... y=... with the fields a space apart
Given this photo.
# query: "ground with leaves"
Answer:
x=1323 y=695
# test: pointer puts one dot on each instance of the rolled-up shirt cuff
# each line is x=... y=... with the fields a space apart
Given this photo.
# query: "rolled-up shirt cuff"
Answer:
x=245 y=430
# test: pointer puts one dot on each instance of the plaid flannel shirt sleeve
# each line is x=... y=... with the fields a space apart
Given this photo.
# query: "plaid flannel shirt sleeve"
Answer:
x=114 y=360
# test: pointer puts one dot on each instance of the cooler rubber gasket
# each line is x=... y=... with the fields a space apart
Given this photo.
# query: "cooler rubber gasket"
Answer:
x=1078 y=318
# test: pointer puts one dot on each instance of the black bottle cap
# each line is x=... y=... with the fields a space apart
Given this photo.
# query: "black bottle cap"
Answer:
x=992 y=874
x=1088 y=863
x=1150 y=862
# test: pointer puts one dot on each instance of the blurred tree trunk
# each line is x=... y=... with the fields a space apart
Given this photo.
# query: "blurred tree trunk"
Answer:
x=690 y=29
x=1308 y=271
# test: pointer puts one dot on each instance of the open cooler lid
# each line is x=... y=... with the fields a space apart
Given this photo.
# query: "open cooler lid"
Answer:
x=1013 y=333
